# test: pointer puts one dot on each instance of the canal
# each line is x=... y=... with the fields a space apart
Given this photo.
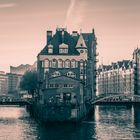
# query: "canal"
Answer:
x=107 y=123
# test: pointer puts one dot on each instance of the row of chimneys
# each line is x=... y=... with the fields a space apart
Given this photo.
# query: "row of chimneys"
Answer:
x=74 y=33
x=50 y=33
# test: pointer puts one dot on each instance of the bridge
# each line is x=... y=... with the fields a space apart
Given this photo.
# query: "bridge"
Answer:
x=11 y=100
x=115 y=98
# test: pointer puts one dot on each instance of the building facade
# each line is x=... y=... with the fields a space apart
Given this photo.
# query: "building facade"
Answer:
x=67 y=74
x=13 y=83
x=136 y=57
x=116 y=78
x=3 y=83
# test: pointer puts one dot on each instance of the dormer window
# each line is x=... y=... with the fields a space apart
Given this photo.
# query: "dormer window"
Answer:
x=71 y=74
x=50 y=48
x=56 y=74
x=63 y=48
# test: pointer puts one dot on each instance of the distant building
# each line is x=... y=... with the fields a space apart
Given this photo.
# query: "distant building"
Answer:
x=3 y=83
x=116 y=78
x=15 y=76
x=136 y=57
x=13 y=83
x=34 y=67
x=67 y=73
x=21 y=69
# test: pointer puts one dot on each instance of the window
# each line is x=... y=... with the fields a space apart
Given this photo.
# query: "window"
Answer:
x=65 y=85
x=71 y=74
x=51 y=85
x=63 y=51
x=50 y=48
x=46 y=63
x=81 y=72
x=67 y=64
x=56 y=85
x=81 y=77
x=60 y=63
x=63 y=48
x=73 y=64
x=66 y=96
x=70 y=85
x=56 y=74
x=81 y=63
x=42 y=64
x=54 y=63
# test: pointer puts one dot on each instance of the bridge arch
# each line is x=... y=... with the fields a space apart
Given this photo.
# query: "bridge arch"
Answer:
x=116 y=98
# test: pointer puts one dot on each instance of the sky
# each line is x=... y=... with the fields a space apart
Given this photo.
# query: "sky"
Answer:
x=23 y=26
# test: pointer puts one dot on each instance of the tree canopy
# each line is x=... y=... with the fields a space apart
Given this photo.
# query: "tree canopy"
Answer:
x=29 y=82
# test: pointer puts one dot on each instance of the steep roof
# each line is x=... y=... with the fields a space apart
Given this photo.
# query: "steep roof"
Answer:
x=81 y=42
x=88 y=38
x=60 y=37
x=119 y=64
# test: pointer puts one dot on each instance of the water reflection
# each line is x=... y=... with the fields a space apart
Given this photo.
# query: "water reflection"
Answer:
x=107 y=123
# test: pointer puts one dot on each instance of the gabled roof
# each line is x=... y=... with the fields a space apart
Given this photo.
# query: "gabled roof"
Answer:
x=88 y=38
x=124 y=64
x=61 y=36
x=115 y=65
x=81 y=42
x=65 y=77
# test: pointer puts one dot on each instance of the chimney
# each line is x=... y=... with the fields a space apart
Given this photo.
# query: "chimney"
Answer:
x=49 y=36
x=74 y=33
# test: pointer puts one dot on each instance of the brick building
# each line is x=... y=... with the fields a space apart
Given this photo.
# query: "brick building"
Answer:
x=67 y=71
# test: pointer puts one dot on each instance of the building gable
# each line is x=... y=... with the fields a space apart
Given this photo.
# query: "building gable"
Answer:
x=61 y=37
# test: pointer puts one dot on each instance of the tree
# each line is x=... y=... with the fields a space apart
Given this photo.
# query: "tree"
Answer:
x=29 y=82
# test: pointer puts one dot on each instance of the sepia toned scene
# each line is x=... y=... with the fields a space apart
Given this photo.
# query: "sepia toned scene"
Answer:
x=69 y=70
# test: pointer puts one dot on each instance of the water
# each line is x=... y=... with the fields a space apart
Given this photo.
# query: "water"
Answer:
x=107 y=123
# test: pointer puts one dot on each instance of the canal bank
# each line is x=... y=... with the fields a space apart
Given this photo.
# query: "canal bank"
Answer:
x=60 y=113
x=107 y=123
x=66 y=69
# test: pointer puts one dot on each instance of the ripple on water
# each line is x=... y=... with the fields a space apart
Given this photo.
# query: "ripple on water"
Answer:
x=108 y=123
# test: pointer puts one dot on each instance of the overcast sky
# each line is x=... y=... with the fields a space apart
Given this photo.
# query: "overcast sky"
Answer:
x=23 y=25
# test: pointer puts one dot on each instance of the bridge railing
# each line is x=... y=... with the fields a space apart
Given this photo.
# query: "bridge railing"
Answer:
x=14 y=99
x=116 y=98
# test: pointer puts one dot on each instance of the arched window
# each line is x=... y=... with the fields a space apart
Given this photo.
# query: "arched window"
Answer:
x=60 y=63
x=54 y=63
x=46 y=63
x=50 y=48
x=85 y=63
x=73 y=64
x=71 y=74
x=67 y=64
x=81 y=63
x=56 y=73
x=81 y=69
